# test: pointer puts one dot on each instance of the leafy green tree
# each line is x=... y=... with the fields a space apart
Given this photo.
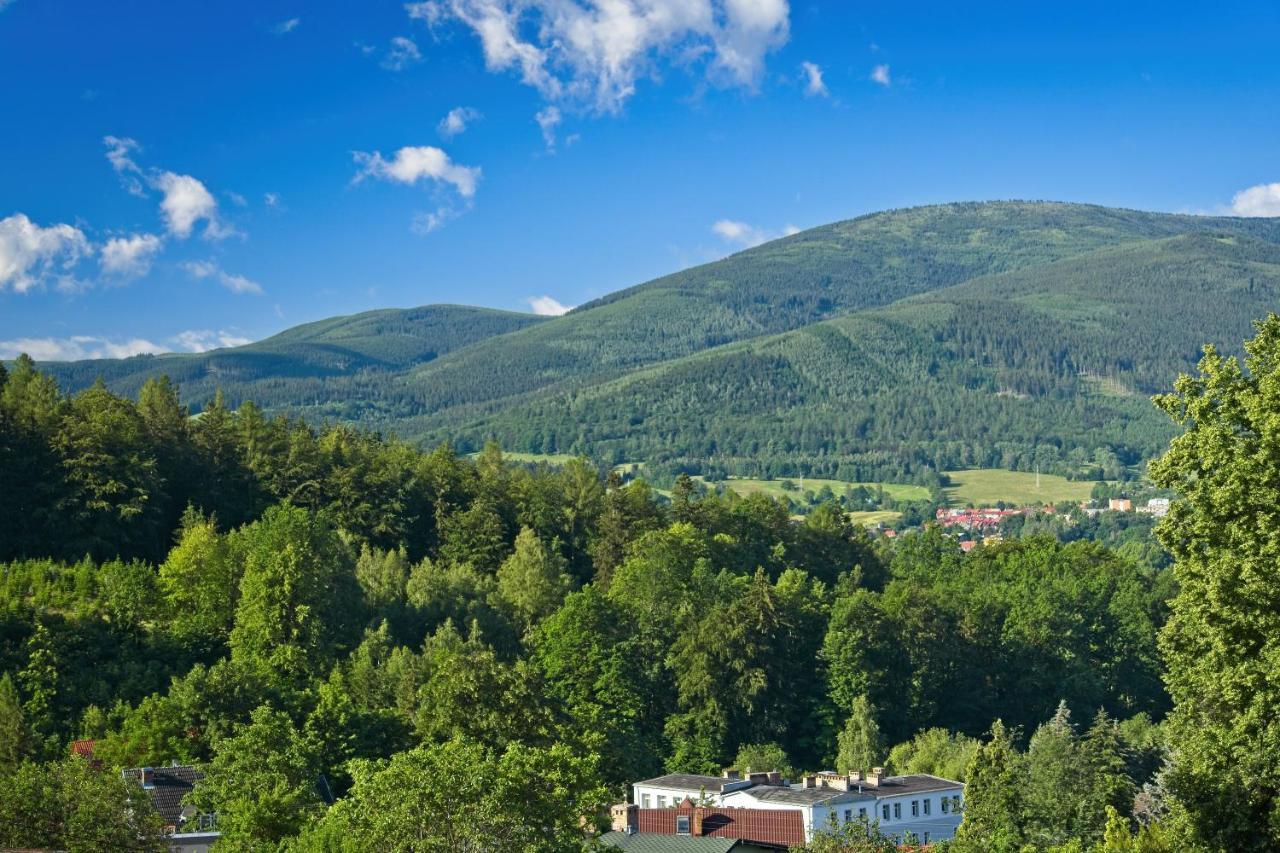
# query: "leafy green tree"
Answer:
x=937 y=752
x=994 y=801
x=860 y=836
x=262 y=782
x=70 y=805
x=532 y=582
x=860 y=744
x=200 y=580
x=763 y=757
x=1223 y=633
x=298 y=594
x=382 y=576
x=40 y=682
x=15 y=738
x=460 y=795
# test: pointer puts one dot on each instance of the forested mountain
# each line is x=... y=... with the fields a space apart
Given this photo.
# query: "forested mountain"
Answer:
x=997 y=334
x=311 y=365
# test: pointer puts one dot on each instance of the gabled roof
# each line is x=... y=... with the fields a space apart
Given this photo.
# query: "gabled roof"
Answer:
x=170 y=785
x=649 y=842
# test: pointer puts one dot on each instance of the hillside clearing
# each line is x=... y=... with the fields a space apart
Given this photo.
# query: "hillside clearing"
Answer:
x=988 y=486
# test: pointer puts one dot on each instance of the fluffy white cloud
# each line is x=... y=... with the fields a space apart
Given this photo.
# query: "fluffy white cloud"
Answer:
x=813 y=85
x=880 y=74
x=402 y=53
x=129 y=256
x=745 y=236
x=456 y=121
x=592 y=52
x=76 y=348
x=186 y=201
x=411 y=164
x=546 y=306
x=5 y=4
x=234 y=283
x=286 y=26
x=271 y=199
x=548 y=119
x=1260 y=200
x=203 y=340
x=29 y=253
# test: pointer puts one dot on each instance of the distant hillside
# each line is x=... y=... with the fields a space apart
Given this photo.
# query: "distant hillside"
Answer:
x=317 y=367
x=912 y=340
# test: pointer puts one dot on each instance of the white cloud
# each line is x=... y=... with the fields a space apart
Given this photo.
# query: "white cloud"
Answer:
x=203 y=340
x=432 y=220
x=234 y=283
x=76 y=348
x=1260 y=200
x=546 y=306
x=547 y=120
x=118 y=154
x=186 y=202
x=412 y=164
x=745 y=235
x=814 y=85
x=286 y=26
x=456 y=121
x=271 y=199
x=237 y=199
x=129 y=256
x=30 y=254
x=593 y=52
x=402 y=53
x=5 y=4
x=880 y=74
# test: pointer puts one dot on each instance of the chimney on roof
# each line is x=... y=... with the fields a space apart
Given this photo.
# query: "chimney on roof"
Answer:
x=758 y=778
x=731 y=774
x=811 y=781
x=775 y=777
x=855 y=776
x=625 y=817
x=876 y=777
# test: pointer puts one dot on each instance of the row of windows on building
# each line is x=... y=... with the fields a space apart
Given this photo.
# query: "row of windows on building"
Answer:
x=948 y=805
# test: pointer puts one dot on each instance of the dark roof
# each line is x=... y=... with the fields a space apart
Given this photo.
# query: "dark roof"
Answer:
x=171 y=784
x=797 y=796
x=917 y=783
x=649 y=842
x=689 y=782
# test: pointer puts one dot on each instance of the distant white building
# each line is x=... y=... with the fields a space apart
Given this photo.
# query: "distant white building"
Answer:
x=1158 y=507
x=923 y=807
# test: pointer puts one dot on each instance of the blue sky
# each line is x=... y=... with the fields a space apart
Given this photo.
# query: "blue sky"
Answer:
x=178 y=175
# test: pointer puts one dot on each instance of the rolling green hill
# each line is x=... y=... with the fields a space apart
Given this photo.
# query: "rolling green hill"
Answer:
x=987 y=335
x=320 y=368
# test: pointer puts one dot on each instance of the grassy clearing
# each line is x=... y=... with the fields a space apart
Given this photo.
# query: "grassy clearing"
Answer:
x=987 y=486
x=773 y=488
x=874 y=517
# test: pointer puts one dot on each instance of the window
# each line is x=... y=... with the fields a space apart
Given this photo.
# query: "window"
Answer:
x=955 y=804
x=862 y=813
x=848 y=815
x=682 y=824
x=926 y=838
x=645 y=802
x=928 y=806
x=662 y=801
x=915 y=808
x=945 y=804
x=886 y=811
x=897 y=811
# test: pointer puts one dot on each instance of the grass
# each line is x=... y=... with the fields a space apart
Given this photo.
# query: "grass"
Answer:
x=773 y=488
x=874 y=517
x=549 y=458
x=987 y=486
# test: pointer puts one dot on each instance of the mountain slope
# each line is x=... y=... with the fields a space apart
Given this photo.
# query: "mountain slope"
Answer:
x=964 y=334
x=983 y=373
x=318 y=364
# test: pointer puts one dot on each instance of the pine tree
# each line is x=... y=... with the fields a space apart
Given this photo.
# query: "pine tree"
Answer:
x=994 y=805
x=15 y=737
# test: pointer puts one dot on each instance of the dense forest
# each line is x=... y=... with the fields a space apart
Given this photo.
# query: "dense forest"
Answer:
x=889 y=347
x=343 y=629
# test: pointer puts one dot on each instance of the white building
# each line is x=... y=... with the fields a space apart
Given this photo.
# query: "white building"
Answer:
x=926 y=808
